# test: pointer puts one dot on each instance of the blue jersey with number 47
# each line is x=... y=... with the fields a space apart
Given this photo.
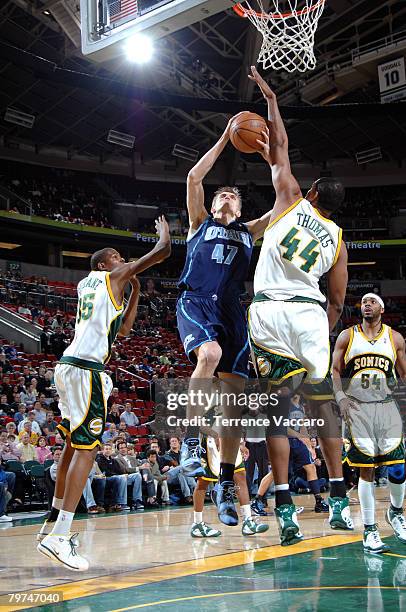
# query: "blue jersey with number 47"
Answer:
x=217 y=260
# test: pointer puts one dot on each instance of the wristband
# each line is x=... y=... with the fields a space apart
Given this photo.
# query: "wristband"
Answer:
x=340 y=395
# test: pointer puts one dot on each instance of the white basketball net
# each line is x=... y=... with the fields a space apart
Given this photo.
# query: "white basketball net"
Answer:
x=288 y=31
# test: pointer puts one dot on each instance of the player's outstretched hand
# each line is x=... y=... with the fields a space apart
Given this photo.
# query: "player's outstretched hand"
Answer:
x=265 y=145
x=162 y=228
x=262 y=84
x=346 y=405
x=228 y=126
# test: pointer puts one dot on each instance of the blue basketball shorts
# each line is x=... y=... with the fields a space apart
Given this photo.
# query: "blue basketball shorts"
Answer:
x=204 y=319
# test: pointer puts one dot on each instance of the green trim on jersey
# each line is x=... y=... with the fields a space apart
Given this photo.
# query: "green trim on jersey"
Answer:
x=261 y=297
x=82 y=363
x=112 y=333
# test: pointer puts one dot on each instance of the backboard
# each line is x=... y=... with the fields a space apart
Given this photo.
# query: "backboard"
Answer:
x=105 y=24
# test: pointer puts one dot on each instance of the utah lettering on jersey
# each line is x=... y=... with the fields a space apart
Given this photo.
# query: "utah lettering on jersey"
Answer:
x=314 y=226
x=223 y=233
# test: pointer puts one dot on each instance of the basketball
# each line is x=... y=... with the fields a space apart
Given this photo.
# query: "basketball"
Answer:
x=245 y=129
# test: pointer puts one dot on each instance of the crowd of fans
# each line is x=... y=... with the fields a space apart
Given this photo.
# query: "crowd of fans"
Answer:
x=77 y=198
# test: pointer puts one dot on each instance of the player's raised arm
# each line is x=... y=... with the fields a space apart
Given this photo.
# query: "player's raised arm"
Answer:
x=400 y=364
x=121 y=275
x=195 y=193
x=286 y=186
x=337 y=287
x=130 y=312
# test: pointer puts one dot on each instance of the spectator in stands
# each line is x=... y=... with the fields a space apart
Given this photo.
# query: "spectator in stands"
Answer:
x=40 y=414
x=122 y=431
x=15 y=404
x=114 y=474
x=110 y=434
x=34 y=425
x=7 y=481
x=43 y=451
x=6 y=388
x=56 y=455
x=145 y=368
x=59 y=440
x=114 y=396
x=24 y=310
x=123 y=385
x=44 y=340
x=26 y=448
x=42 y=382
x=159 y=479
x=5 y=365
x=11 y=351
x=27 y=428
x=94 y=490
x=29 y=396
x=8 y=449
x=21 y=414
x=134 y=479
x=59 y=342
x=169 y=466
x=50 y=425
x=11 y=428
x=171 y=372
x=129 y=418
x=114 y=415
x=4 y=406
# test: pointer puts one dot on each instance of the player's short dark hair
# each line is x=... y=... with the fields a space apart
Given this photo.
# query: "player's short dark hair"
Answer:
x=230 y=189
x=99 y=257
x=331 y=193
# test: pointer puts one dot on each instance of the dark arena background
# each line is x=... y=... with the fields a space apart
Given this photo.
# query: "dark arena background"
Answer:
x=97 y=137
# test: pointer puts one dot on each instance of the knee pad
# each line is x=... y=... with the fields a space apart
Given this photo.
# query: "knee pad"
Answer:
x=397 y=473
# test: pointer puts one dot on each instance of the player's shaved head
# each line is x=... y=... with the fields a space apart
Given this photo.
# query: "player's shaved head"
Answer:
x=100 y=257
x=329 y=193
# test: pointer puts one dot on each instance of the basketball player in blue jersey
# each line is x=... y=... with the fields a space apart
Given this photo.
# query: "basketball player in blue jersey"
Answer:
x=211 y=319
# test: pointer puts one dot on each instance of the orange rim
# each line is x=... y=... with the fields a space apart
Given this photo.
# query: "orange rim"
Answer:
x=242 y=12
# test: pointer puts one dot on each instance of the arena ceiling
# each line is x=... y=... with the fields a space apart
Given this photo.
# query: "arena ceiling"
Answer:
x=199 y=73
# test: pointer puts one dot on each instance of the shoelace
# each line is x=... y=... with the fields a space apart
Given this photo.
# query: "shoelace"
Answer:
x=197 y=451
x=228 y=494
x=401 y=520
x=376 y=538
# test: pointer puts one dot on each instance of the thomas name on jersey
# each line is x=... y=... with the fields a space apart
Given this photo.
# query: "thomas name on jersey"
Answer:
x=315 y=227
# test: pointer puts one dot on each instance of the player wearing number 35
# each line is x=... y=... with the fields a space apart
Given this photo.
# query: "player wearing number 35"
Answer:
x=211 y=320
x=84 y=387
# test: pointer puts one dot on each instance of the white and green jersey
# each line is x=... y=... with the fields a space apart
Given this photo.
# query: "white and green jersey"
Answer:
x=299 y=246
x=369 y=371
x=97 y=322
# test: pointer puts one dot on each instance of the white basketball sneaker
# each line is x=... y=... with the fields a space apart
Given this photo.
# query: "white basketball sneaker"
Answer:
x=398 y=523
x=63 y=550
x=203 y=530
x=372 y=540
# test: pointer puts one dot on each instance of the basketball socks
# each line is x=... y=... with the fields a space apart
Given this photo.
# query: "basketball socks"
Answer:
x=282 y=495
x=397 y=495
x=226 y=472
x=338 y=488
x=54 y=512
x=63 y=523
x=245 y=511
x=366 y=496
x=314 y=486
x=197 y=517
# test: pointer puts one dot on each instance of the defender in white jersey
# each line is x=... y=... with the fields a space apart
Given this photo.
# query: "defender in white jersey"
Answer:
x=365 y=361
x=84 y=387
x=288 y=326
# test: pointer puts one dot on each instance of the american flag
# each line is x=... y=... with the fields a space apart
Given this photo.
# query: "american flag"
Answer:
x=121 y=9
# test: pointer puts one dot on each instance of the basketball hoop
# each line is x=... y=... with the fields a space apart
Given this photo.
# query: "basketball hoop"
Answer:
x=288 y=35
